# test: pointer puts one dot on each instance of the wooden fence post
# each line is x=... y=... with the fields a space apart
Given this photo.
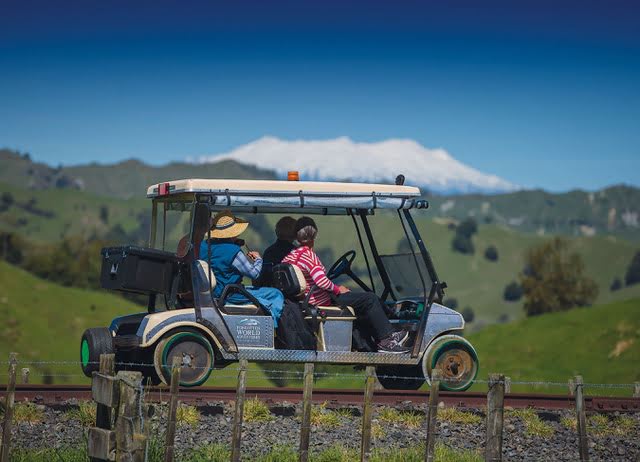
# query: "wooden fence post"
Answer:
x=507 y=385
x=130 y=440
x=8 y=411
x=169 y=450
x=236 y=435
x=636 y=389
x=572 y=387
x=305 y=428
x=25 y=375
x=367 y=414
x=432 y=416
x=103 y=413
x=581 y=418
x=495 y=416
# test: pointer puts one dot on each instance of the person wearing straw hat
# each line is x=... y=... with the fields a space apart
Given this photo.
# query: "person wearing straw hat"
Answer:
x=230 y=264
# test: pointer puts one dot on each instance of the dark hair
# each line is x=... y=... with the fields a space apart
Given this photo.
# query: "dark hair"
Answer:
x=285 y=228
x=306 y=229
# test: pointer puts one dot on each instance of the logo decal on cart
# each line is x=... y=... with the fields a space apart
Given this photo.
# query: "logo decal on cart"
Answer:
x=248 y=330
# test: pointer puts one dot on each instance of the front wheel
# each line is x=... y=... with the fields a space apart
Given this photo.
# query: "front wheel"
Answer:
x=456 y=359
x=95 y=342
x=195 y=355
x=400 y=377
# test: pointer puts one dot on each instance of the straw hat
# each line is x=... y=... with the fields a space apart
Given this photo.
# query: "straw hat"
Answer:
x=226 y=225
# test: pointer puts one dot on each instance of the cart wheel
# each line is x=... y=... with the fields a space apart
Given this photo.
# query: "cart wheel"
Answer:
x=400 y=377
x=457 y=360
x=95 y=341
x=196 y=357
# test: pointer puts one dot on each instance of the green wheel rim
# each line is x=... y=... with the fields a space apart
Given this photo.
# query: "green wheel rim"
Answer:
x=166 y=368
x=472 y=353
x=84 y=353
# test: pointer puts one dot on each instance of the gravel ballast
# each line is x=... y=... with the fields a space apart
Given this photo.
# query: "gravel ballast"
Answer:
x=59 y=430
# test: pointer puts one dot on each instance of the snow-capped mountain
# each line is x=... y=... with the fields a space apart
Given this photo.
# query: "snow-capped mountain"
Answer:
x=345 y=159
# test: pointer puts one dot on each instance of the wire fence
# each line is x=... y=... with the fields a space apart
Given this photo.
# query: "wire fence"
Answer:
x=293 y=374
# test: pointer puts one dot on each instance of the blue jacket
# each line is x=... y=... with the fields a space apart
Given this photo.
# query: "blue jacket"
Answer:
x=222 y=256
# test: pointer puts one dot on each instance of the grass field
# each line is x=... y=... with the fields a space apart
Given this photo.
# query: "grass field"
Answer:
x=601 y=342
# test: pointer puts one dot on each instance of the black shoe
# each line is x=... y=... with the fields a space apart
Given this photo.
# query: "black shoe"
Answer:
x=401 y=336
x=391 y=345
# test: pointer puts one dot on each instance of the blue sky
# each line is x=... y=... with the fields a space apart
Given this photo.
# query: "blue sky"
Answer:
x=543 y=94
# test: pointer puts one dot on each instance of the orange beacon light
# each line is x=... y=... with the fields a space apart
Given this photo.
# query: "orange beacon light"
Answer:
x=293 y=175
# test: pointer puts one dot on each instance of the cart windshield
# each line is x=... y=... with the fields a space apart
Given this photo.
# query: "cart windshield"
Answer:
x=404 y=272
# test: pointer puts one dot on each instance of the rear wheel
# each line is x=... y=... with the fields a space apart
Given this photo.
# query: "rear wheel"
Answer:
x=457 y=360
x=400 y=377
x=95 y=341
x=194 y=352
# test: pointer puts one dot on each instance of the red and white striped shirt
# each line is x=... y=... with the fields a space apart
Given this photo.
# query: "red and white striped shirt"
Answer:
x=314 y=273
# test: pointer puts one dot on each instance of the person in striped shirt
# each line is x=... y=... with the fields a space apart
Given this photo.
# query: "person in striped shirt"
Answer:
x=367 y=306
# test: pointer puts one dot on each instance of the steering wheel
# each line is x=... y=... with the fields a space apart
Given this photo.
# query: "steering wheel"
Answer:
x=343 y=266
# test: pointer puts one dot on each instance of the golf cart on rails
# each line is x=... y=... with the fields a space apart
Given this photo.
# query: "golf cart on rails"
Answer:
x=184 y=319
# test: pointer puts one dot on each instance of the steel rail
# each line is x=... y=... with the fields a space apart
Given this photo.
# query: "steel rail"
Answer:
x=59 y=394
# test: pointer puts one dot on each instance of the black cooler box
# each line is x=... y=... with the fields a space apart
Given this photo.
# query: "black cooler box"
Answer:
x=138 y=269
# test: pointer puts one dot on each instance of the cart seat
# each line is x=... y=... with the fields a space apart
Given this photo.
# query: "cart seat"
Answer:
x=249 y=309
x=335 y=313
x=290 y=280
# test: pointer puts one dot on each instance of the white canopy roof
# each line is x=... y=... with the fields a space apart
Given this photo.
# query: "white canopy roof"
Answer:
x=293 y=194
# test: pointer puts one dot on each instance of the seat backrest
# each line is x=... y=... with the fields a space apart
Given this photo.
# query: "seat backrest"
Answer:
x=289 y=280
x=204 y=267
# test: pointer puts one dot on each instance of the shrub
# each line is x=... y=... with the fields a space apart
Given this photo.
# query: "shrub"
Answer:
x=512 y=292
x=491 y=253
x=7 y=199
x=468 y=314
x=467 y=227
x=462 y=240
x=555 y=279
x=633 y=271
x=451 y=303
x=616 y=284
x=104 y=214
x=463 y=244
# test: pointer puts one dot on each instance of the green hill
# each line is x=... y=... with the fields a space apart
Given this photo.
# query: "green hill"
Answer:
x=473 y=280
x=602 y=343
x=613 y=210
x=52 y=214
x=124 y=180
x=43 y=321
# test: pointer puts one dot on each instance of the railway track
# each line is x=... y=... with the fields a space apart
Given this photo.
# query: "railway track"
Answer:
x=59 y=394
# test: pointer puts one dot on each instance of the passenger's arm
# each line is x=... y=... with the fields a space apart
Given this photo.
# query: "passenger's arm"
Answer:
x=246 y=267
x=321 y=280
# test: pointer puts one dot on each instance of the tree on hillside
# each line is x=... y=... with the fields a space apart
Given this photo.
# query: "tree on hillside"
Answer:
x=616 y=284
x=633 y=271
x=104 y=214
x=462 y=240
x=554 y=279
x=491 y=253
x=467 y=227
x=462 y=244
x=468 y=314
x=7 y=199
x=451 y=302
x=512 y=292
